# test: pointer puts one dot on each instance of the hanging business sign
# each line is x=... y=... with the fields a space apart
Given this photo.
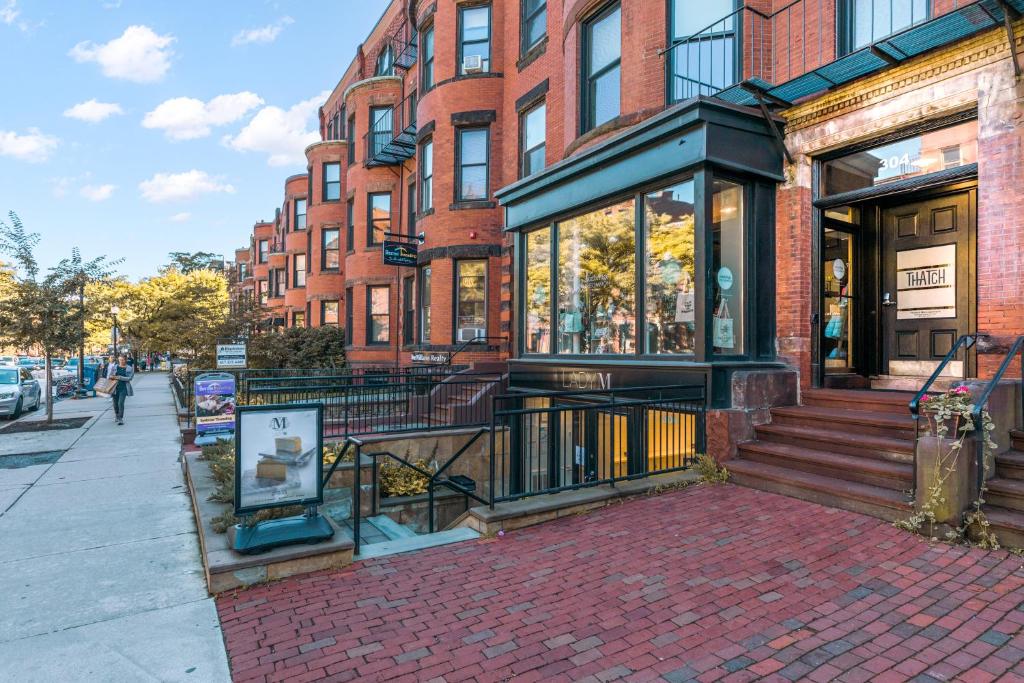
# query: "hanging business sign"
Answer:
x=926 y=283
x=214 y=400
x=278 y=456
x=230 y=356
x=399 y=253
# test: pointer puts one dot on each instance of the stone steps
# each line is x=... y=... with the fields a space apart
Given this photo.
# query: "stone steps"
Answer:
x=840 y=466
x=878 y=423
x=863 y=445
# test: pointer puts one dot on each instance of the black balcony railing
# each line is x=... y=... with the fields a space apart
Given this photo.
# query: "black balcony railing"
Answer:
x=809 y=46
x=392 y=136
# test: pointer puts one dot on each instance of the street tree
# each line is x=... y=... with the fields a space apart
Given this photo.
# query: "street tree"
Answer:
x=43 y=310
x=188 y=262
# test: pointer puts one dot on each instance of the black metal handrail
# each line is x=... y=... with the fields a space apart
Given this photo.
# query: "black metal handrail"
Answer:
x=470 y=342
x=965 y=341
x=356 y=483
x=450 y=484
x=636 y=404
x=1016 y=349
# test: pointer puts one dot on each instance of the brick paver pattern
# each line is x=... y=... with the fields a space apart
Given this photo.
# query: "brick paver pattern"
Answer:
x=706 y=583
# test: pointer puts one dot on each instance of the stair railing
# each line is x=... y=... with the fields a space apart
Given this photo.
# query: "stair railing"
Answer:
x=436 y=481
x=466 y=344
x=1017 y=349
x=965 y=341
x=356 y=481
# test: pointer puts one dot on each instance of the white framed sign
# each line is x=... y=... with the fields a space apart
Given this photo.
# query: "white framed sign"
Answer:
x=231 y=356
x=926 y=283
x=278 y=456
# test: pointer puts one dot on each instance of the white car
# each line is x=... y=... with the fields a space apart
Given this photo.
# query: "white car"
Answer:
x=19 y=390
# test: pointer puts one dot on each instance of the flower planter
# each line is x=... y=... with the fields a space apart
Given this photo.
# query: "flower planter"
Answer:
x=940 y=462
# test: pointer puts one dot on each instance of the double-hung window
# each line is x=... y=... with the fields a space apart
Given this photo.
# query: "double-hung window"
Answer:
x=352 y=138
x=385 y=62
x=427 y=176
x=474 y=39
x=299 y=270
x=300 y=214
x=299 y=319
x=329 y=312
x=703 y=58
x=471 y=300
x=348 y=316
x=350 y=226
x=329 y=249
x=471 y=164
x=427 y=59
x=424 y=305
x=264 y=249
x=379 y=219
x=534 y=23
x=602 y=58
x=532 y=140
x=332 y=182
x=280 y=281
x=378 y=315
x=380 y=122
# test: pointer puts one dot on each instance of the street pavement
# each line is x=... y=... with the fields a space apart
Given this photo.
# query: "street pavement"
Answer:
x=100 y=574
x=707 y=583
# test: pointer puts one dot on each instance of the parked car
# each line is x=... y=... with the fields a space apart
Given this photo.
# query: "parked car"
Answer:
x=18 y=391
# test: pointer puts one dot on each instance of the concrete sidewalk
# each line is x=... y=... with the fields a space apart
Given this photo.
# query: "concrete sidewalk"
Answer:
x=100 y=574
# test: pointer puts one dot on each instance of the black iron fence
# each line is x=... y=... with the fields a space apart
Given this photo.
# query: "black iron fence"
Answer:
x=559 y=441
x=365 y=401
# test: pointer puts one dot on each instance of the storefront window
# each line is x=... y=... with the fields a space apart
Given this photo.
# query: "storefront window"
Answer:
x=471 y=322
x=538 y=291
x=929 y=152
x=727 y=272
x=596 y=281
x=670 y=290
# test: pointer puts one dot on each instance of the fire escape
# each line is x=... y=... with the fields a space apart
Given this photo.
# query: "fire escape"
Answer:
x=391 y=139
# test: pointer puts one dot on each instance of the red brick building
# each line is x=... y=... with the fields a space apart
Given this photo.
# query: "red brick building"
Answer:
x=763 y=199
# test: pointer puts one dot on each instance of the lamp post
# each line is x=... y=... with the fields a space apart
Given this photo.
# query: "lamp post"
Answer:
x=114 y=310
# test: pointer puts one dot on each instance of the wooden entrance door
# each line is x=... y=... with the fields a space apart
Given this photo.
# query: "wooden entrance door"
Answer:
x=928 y=280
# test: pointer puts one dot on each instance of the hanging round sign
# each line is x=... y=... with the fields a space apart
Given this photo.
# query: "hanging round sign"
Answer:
x=839 y=269
x=725 y=278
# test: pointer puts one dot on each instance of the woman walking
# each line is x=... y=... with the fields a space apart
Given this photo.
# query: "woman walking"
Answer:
x=122 y=373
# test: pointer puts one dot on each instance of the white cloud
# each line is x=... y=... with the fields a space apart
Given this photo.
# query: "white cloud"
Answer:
x=265 y=34
x=97 y=193
x=34 y=146
x=9 y=12
x=165 y=187
x=186 y=118
x=280 y=133
x=180 y=217
x=138 y=55
x=93 y=111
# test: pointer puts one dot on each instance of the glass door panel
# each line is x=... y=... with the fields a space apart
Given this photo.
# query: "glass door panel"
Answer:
x=838 y=299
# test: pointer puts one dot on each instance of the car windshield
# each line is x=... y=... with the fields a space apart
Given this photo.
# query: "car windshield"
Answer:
x=8 y=376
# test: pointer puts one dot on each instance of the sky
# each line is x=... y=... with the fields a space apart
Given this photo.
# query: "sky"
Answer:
x=134 y=128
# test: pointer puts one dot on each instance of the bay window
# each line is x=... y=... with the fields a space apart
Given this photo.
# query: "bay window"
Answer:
x=427 y=59
x=379 y=218
x=427 y=176
x=378 y=315
x=330 y=249
x=299 y=270
x=670 y=287
x=424 y=305
x=471 y=300
x=471 y=164
x=602 y=57
x=474 y=49
x=727 y=271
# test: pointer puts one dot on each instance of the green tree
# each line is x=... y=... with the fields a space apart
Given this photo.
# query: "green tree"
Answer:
x=44 y=310
x=188 y=262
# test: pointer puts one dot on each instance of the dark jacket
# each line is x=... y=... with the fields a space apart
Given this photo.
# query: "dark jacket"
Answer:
x=124 y=386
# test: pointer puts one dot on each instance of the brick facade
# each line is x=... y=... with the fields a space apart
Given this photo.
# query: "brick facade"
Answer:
x=971 y=73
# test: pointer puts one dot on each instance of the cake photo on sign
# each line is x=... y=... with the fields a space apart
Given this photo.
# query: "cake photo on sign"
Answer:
x=276 y=449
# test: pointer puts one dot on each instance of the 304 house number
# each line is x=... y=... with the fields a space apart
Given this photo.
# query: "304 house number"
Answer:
x=897 y=161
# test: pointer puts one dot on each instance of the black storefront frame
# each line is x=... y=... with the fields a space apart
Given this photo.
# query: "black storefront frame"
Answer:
x=868 y=234
x=703 y=177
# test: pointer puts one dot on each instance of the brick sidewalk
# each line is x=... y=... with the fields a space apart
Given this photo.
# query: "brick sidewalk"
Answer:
x=720 y=583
